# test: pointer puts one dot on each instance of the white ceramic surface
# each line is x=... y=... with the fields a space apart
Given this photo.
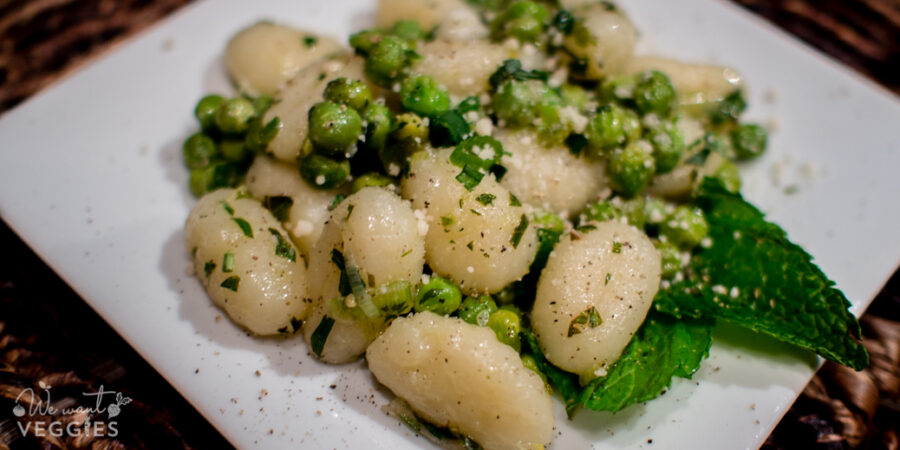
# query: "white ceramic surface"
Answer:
x=91 y=178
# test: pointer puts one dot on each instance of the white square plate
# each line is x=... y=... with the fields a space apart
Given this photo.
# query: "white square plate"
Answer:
x=91 y=177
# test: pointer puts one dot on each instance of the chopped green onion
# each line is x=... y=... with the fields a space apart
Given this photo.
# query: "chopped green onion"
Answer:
x=519 y=231
x=228 y=262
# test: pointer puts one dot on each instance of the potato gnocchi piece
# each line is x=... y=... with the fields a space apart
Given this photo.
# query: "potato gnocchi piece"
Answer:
x=460 y=376
x=462 y=23
x=428 y=13
x=680 y=182
x=263 y=57
x=697 y=84
x=551 y=178
x=593 y=295
x=608 y=43
x=377 y=232
x=268 y=178
x=480 y=239
x=247 y=262
x=462 y=67
x=299 y=95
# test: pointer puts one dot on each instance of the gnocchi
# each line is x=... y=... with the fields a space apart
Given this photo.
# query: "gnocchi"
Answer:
x=459 y=376
x=247 y=263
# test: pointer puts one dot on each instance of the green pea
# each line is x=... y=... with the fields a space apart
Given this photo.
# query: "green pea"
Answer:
x=729 y=175
x=670 y=258
x=523 y=20
x=199 y=150
x=668 y=145
x=439 y=296
x=205 y=111
x=365 y=41
x=531 y=364
x=729 y=110
x=601 y=212
x=215 y=176
x=477 y=310
x=409 y=126
x=234 y=150
x=548 y=221
x=575 y=96
x=409 y=30
x=233 y=115
x=749 y=140
x=422 y=95
x=370 y=180
x=506 y=325
x=654 y=93
x=631 y=123
x=655 y=210
x=394 y=299
x=633 y=210
x=353 y=93
x=323 y=172
x=387 y=60
x=632 y=168
x=685 y=227
x=551 y=128
x=618 y=89
x=605 y=130
x=378 y=125
x=515 y=101
x=334 y=128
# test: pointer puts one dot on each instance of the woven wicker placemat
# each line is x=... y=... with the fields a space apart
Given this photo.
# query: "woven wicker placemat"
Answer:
x=49 y=335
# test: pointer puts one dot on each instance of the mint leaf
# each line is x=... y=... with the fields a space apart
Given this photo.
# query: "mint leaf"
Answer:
x=564 y=382
x=753 y=276
x=662 y=348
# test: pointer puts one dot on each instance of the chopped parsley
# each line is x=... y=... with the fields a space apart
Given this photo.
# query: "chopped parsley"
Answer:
x=477 y=156
x=337 y=201
x=344 y=284
x=283 y=247
x=310 y=41
x=513 y=200
x=227 y=207
x=245 y=227
x=590 y=318
x=519 y=231
x=446 y=220
x=208 y=268
x=320 y=335
x=280 y=206
x=511 y=70
x=617 y=247
x=231 y=283
x=486 y=199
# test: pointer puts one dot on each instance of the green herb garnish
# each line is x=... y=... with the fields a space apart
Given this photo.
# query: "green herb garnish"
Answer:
x=320 y=335
x=755 y=277
x=231 y=282
x=280 y=205
x=283 y=247
x=519 y=231
x=208 y=268
x=486 y=199
x=245 y=227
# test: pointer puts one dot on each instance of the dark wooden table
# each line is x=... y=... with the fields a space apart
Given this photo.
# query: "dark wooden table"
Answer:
x=48 y=334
